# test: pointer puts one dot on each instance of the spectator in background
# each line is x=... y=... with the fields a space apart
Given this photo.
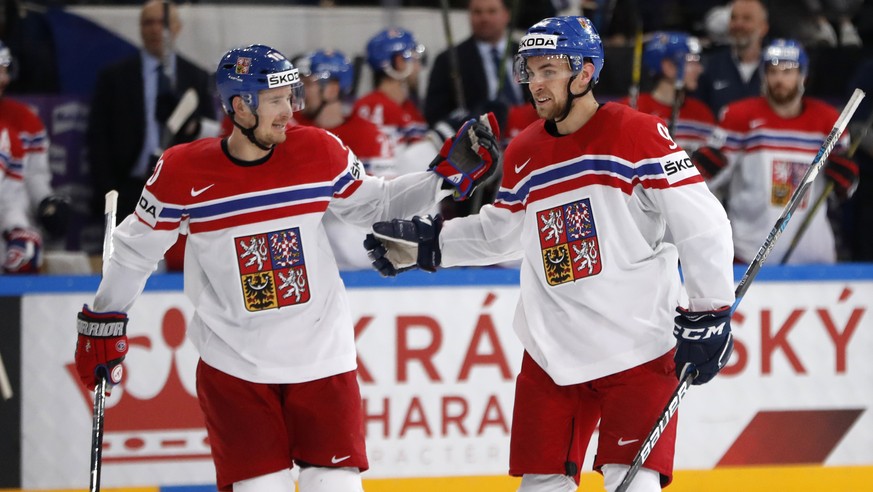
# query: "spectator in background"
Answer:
x=733 y=73
x=43 y=206
x=817 y=22
x=666 y=56
x=481 y=63
x=761 y=150
x=132 y=102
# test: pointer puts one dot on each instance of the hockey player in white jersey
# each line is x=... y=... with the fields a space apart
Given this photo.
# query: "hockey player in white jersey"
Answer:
x=760 y=151
x=586 y=196
x=276 y=378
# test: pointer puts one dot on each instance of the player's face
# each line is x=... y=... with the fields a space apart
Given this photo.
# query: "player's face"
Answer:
x=783 y=83
x=488 y=19
x=693 y=69
x=547 y=78
x=274 y=113
x=4 y=79
x=312 y=90
x=748 y=23
x=151 y=26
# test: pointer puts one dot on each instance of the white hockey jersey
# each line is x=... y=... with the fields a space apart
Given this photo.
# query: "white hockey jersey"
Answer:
x=588 y=211
x=270 y=306
x=767 y=157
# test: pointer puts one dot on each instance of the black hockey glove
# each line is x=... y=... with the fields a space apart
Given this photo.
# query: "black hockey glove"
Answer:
x=399 y=245
x=703 y=343
x=470 y=157
x=54 y=213
x=709 y=161
x=843 y=172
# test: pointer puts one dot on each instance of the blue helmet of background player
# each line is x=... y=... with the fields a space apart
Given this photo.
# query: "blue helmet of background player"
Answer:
x=786 y=53
x=328 y=65
x=572 y=37
x=386 y=45
x=242 y=72
x=678 y=47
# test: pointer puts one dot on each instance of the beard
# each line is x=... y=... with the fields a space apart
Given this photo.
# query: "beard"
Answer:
x=782 y=94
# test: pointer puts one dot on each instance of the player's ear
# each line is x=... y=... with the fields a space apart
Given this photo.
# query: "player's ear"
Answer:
x=580 y=83
x=240 y=107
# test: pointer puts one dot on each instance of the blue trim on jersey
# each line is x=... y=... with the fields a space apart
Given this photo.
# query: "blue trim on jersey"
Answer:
x=344 y=182
x=576 y=168
x=15 y=285
x=781 y=140
x=243 y=204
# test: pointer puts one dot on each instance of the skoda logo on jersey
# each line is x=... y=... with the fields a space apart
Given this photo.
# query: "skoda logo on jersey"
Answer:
x=280 y=79
x=538 y=41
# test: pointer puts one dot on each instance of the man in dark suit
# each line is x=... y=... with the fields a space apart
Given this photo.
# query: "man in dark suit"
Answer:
x=479 y=66
x=133 y=100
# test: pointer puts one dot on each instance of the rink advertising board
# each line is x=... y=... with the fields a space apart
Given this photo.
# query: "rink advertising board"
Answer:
x=437 y=362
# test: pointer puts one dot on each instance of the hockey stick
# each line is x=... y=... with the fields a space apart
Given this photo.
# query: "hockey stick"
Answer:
x=634 y=91
x=183 y=110
x=100 y=390
x=751 y=272
x=825 y=193
x=5 y=385
x=454 y=64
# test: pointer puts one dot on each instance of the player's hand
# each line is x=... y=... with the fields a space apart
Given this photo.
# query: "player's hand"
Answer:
x=703 y=343
x=709 y=161
x=54 y=213
x=23 y=251
x=843 y=173
x=469 y=158
x=399 y=245
x=101 y=347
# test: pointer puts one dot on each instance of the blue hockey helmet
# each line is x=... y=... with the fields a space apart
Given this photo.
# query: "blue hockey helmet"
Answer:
x=385 y=45
x=245 y=71
x=786 y=52
x=328 y=65
x=573 y=37
x=677 y=47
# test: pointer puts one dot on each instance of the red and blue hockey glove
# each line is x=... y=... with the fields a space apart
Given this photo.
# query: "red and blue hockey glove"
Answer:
x=470 y=157
x=703 y=343
x=399 y=245
x=101 y=347
x=843 y=172
x=709 y=161
x=23 y=251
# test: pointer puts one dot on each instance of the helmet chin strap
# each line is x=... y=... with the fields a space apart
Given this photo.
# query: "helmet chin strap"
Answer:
x=571 y=97
x=250 y=132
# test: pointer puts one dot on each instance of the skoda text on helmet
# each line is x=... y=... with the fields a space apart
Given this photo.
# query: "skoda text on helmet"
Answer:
x=677 y=47
x=571 y=37
x=245 y=71
x=787 y=53
x=328 y=65
x=385 y=45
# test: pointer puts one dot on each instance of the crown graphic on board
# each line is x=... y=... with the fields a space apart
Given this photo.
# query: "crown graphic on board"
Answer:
x=172 y=408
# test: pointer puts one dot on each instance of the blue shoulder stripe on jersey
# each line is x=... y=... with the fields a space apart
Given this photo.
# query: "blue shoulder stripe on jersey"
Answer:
x=283 y=198
x=344 y=181
x=782 y=139
x=584 y=166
